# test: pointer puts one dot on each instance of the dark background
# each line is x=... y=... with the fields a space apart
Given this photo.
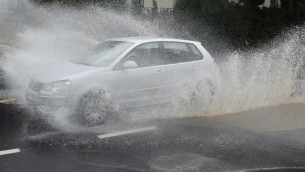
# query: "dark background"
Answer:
x=219 y=24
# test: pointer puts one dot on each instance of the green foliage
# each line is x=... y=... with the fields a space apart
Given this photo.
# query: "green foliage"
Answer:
x=242 y=24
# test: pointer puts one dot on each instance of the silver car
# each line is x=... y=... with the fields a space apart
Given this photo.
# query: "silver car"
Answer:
x=123 y=73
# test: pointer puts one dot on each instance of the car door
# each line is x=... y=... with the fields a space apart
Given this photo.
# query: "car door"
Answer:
x=144 y=84
x=185 y=65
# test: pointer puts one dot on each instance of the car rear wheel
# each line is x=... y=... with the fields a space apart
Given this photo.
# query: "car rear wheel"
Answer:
x=203 y=89
x=95 y=108
x=193 y=99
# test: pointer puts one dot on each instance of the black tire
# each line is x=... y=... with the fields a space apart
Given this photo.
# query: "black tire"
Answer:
x=194 y=99
x=202 y=89
x=210 y=86
x=95 y=108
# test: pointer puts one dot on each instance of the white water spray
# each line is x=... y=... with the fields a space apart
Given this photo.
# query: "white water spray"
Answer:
x=247 y=80
x=263 y=77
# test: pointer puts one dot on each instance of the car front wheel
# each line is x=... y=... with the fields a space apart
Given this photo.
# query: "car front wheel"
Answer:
x=95 y=108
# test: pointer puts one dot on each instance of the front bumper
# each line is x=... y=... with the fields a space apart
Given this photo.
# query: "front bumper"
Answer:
x=36 y=99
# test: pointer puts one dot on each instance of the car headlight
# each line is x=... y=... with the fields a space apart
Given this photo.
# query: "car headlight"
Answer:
x=56 y=87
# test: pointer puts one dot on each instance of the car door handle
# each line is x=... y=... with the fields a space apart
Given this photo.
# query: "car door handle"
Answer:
x=159 y=71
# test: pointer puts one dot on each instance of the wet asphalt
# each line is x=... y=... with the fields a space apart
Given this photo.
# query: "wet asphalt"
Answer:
x=234 y=142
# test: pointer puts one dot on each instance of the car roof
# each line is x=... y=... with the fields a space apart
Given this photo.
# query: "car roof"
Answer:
x=150 y=39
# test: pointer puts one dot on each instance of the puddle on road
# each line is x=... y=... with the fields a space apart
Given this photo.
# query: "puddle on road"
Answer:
x=188 y=162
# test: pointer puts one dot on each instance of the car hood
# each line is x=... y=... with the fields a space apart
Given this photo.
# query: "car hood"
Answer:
x=64 y=71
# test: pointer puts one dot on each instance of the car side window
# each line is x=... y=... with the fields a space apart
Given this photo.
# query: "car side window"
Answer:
x=196 y=53
x=178 y=52
x=145 y=55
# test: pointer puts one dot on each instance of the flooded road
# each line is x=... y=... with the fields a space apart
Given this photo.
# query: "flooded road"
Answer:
x=256 y=118
x=267 y=137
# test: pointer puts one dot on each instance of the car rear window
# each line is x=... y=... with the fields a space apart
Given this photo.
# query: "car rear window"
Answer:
x=195 y=51
x=179 y=52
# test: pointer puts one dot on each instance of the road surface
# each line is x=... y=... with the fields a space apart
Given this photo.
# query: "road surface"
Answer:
x=267 y=137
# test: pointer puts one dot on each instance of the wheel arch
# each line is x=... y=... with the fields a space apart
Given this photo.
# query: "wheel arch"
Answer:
x=83 y=92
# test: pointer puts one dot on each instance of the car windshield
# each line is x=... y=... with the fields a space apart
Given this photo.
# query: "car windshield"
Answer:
x=104 y=53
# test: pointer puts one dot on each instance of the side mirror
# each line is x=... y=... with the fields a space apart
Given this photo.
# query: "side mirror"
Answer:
x=130 y=65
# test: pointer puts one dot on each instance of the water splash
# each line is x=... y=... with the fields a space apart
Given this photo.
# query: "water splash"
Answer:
x=59 y=34
x=262 y=77
x=53 y=35
x=269 y=76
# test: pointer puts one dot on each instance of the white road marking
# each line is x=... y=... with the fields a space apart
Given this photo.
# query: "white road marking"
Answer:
x=6 y=152
x=120 y=133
